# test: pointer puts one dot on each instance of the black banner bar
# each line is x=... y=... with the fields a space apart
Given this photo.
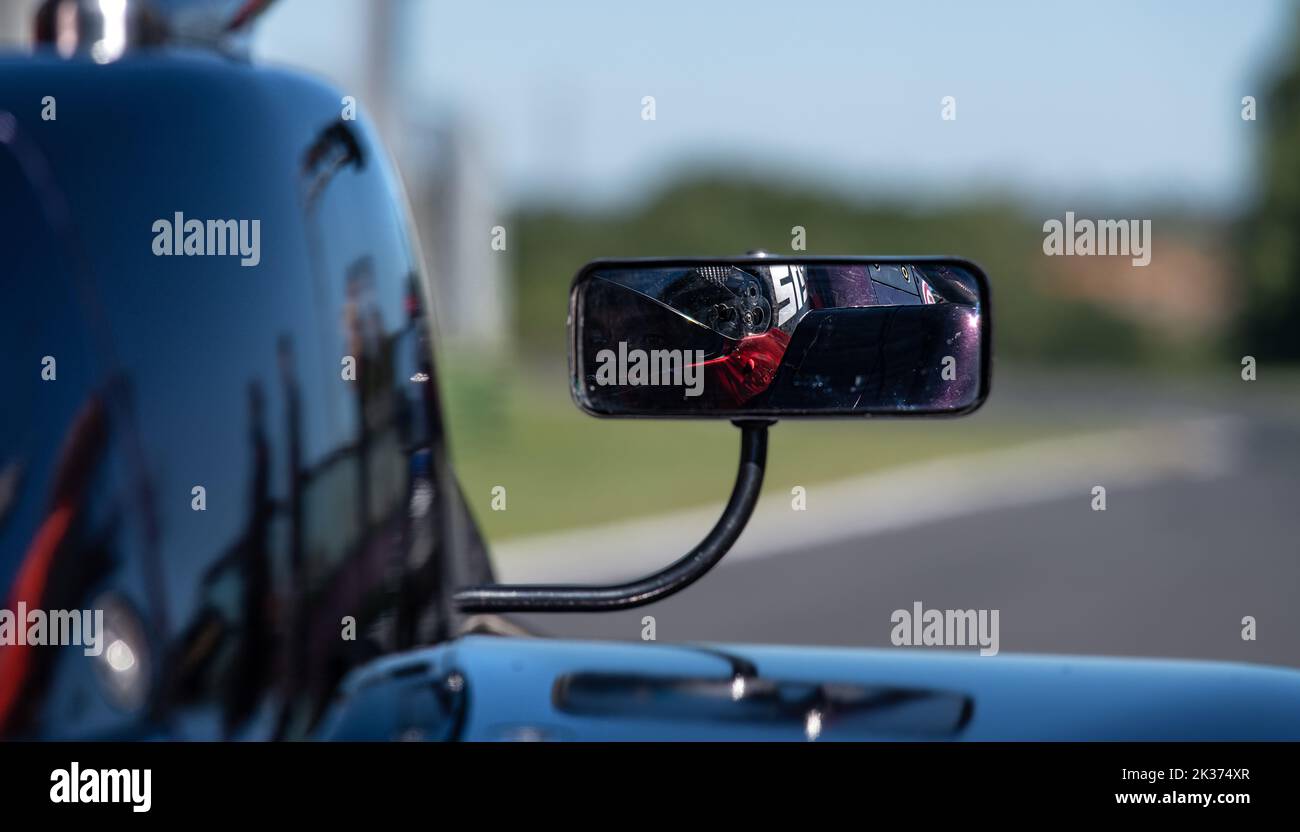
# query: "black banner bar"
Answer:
x=216 y=782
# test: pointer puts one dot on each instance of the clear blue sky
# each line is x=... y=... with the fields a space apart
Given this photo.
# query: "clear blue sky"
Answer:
x=1100 y=100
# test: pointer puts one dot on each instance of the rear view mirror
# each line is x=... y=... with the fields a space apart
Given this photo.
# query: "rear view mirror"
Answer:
x=767 y=337
x=752 y=339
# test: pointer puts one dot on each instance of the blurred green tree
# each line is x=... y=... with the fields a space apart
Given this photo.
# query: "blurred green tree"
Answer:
x=1270 y=232
x=714 y=214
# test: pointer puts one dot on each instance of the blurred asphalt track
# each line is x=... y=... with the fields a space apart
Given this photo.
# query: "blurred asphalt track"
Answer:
x=1202 y=527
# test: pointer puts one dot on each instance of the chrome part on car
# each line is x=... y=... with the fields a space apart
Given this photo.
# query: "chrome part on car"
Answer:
x=106 y=30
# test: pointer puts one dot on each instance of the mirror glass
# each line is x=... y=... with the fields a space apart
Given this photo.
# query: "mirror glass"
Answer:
x=766 y=337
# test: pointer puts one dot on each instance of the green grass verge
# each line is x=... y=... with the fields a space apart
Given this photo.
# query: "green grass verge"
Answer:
x=563 y=469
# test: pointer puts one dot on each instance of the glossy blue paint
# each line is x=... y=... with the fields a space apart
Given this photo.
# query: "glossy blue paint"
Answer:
x=510 y=692
x=183 y=371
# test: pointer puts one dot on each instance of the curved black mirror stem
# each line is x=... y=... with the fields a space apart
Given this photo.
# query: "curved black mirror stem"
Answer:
x=673 y=578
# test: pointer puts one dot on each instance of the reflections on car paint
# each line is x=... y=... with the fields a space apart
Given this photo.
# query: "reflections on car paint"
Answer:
x=225 y=648
x=813 y=708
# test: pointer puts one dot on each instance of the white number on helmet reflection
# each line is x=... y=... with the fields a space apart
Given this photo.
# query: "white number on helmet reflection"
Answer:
x=791 y=291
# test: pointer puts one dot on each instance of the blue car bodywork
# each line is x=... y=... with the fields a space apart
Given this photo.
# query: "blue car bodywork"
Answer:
x=495 y=688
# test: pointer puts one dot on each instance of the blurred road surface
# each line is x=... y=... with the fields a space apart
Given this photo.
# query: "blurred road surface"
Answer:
x=1201 y=528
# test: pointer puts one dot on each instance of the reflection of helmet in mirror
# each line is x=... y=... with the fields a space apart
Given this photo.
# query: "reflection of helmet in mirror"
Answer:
x=616 y=313
x=730 y=301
